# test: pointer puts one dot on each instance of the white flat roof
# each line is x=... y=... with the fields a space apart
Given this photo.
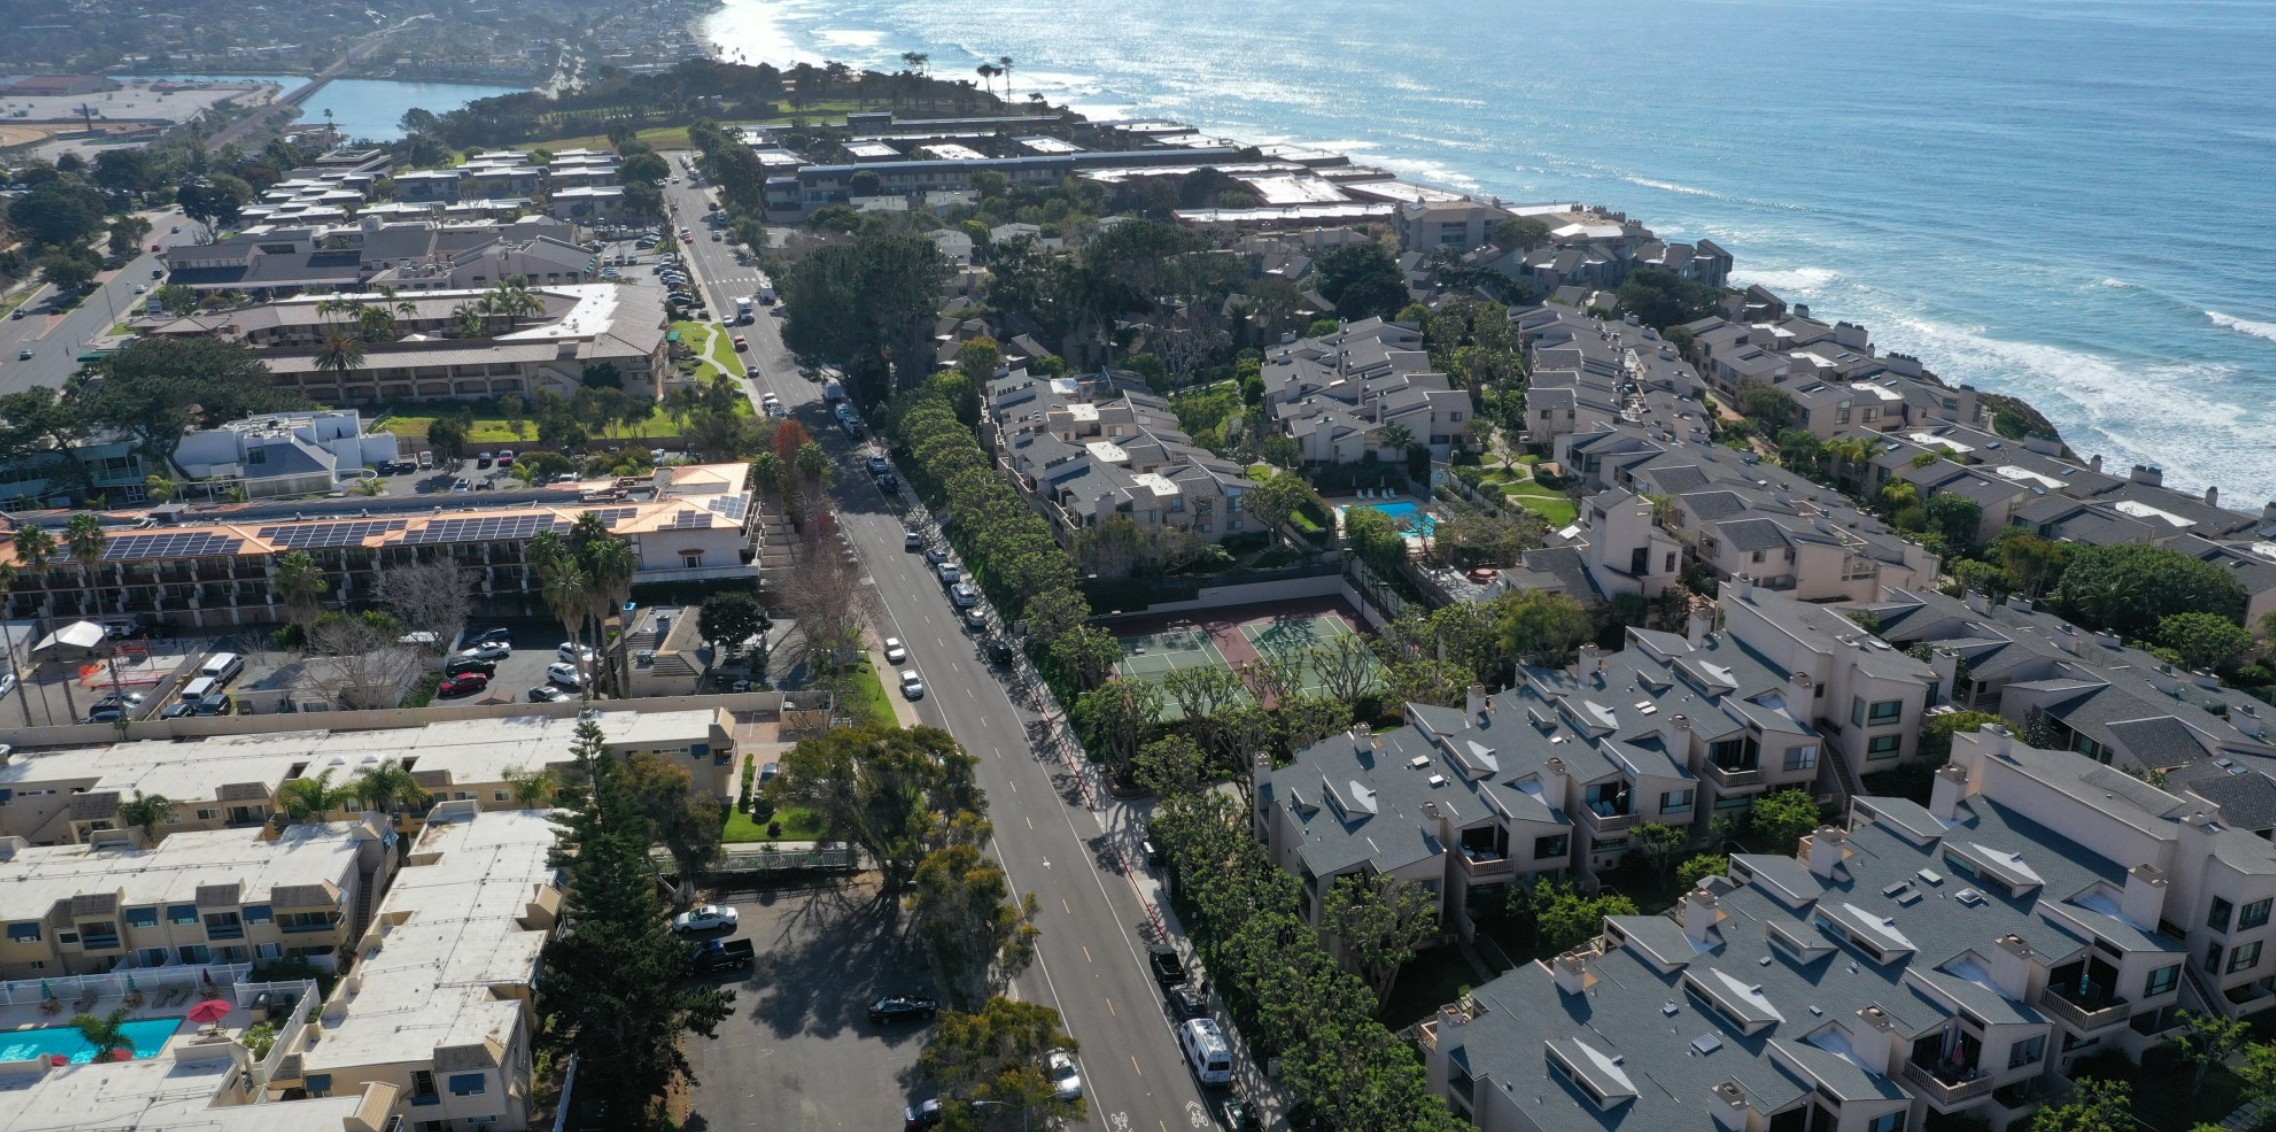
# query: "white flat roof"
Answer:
x=472 y=750
x=2025 y=475
x=428 y=982
x=1294 y=188
x=1870 y=389
x=950 y=151
x=171 y=871
x=2145 y=511
x=151 y=1095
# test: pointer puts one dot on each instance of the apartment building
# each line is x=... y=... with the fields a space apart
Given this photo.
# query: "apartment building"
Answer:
x=1869 y=696
x=285 y=259
x=1942 y=961
x=1090 y=451
x=228 y=783
x=211 y=565
x=2087 y=692
x=438 y=1004
x=194 y=897
x=1347 y=395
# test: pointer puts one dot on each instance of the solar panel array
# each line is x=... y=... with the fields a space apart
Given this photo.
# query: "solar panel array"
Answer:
x=486 y=528
x=172 y=544
x=613 y=515
x=733 y=506
x=308 y=536
x=688 y=521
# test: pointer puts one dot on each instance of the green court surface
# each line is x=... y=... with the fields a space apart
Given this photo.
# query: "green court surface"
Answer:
x=1153 y=656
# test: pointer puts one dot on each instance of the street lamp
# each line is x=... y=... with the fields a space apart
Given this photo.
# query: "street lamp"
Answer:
x=1023 y=1116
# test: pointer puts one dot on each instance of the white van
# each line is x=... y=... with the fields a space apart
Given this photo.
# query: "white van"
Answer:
x=199 y=689
x=1206 y=1051
x=222 y=668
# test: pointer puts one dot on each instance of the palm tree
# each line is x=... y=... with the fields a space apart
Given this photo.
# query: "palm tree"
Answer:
x=299 y=583
x=611 y=563
x=562 y=581
x=1004 y=68
x=342 y=355
x=471 y=319
x=388 y=786
x=86 y=539
x=513 y=300
x=35 y=545
x=145 y=813
x=107 y=1034
x=309 y=799
x=376 y=324
x=162 y=488
x=988 y=72
x=1398 y=438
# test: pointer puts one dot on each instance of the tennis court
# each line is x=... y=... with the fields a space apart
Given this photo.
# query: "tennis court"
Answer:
x=1228 y=639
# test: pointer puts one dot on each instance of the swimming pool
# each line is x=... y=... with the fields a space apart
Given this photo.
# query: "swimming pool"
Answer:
x=148 y=1035
x=1410 y=516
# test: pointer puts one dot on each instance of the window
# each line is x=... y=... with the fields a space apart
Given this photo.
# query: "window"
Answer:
x=2254 y=915
x=467 y=1085
x=196 y=953
x=23 y=933
x=2217 y=916
x=223 y=925
x=2245 y=957
x=1676 y=802
x=2213 y=957
x=692 y=559
x=258 y=914
x=151 y=957
x=497 y=795
x=2027 y=1052
x=142 y=917
x=1557 y=845
x=1802 y=758
x=181 y=913
x=1885 y=712
x=1884 y=746
x=1857 y=710
x=268 y=951
x=2162 y=981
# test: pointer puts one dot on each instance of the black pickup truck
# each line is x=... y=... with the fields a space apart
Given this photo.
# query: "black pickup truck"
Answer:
x=715 y=955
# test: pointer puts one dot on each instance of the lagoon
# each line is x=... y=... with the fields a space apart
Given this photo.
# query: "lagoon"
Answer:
x=364 y=108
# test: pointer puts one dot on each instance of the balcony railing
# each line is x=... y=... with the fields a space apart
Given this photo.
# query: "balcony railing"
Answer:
x=2084 y=1013
x=1729 y=777
x=1608 y=822
x=1944 y=1093
x=225 y=931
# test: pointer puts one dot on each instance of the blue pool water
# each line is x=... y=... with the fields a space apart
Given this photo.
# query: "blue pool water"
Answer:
x=1411 y=517
x=148 y=1035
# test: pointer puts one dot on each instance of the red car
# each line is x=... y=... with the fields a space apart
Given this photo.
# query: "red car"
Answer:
x=463 y=684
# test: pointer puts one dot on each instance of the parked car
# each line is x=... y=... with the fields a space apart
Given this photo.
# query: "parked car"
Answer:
x=573 y=653
x=895 y=651
x=936 y=555
x=111 y=714
x=1238 y=1115
x=912 y=540
x=715 y=955
x=128 y=700
x=462 y=484
x=501 y=635
x=179 y=710
x=877 y=465
x=1186 y=1002
x=463 y=684
x=565 y=674
x=949 y=573
x=461 y=665
x=974 y=618
x=488 y=650
x=1168 y=968
x=902 y=1008
x=999 y=652
x=912 y=689
x=889 y=483
x=1066 y=1080
x=921 y=1116
x=551 y=694
x=705 y=918
x=964 y=595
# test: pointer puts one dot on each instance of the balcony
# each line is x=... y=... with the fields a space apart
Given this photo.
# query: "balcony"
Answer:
x=1731 y=778
x=1600 y=817
x=1945 y=1094
x=2084 y=1012
x=1487 y=865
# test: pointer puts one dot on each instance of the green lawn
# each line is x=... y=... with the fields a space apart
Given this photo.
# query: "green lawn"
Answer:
x=869 y=706
x=714 y=347
x=798 y=824
x=676 y=137
x=1546 y=502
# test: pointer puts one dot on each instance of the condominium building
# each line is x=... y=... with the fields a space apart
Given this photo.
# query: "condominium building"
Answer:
x=231 y=782
x=195 y=897
x=211 y=565
x=1945 y=960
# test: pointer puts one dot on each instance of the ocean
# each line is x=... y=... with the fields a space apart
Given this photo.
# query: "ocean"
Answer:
x=2071 y=201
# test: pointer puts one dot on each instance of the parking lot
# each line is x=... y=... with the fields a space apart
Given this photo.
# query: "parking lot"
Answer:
x=534 y=644
x=799 y=1053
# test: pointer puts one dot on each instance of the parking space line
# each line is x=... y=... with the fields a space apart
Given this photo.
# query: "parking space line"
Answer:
x=1135 y=1067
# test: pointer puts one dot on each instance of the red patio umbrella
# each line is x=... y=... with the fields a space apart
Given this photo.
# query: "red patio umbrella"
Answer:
x=211 y=1010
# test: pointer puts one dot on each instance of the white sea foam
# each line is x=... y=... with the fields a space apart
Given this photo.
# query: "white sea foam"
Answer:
x=1803 y=281
x=1672 y=187
x=2117 y=284
x=851 y=37
x=2265 y=330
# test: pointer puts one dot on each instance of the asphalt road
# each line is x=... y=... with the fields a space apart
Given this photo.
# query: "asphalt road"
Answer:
x=1082 y=863
x=57 y=340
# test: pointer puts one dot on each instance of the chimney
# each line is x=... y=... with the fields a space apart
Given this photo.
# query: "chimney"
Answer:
x=1260 y=768
x=1950 y=785
x=2019 y=603
x=1592 y=660
x=1702 y=622
x=2066 y=639
x=2095 y=465
x=1571 y=970
x=1801 y=694
x=1430 y=812
x=2144 y=899
x=2268 y=513
x=2212 y=496
x=1741 y=587
x=2148 y=476
x=2011 y=968
x=1700 y=913
x=1554 y=782
x=1475 y=703
x=1825 y=848
x=1978 y=601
